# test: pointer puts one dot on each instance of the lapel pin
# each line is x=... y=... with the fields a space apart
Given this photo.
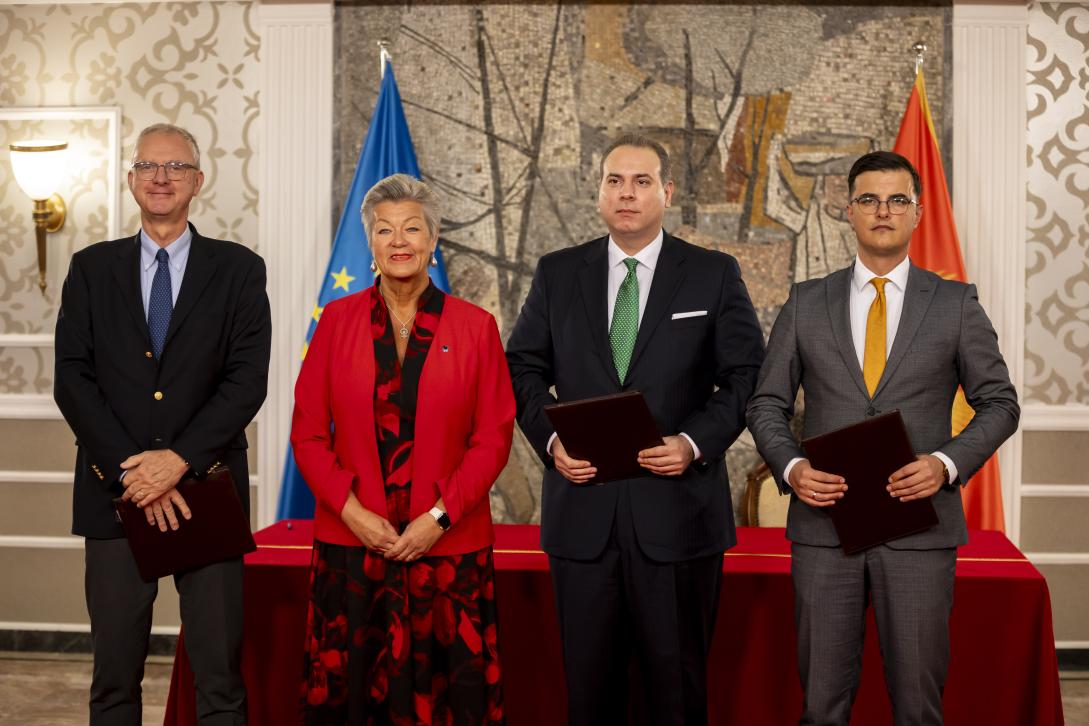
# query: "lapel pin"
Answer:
x=445 y=349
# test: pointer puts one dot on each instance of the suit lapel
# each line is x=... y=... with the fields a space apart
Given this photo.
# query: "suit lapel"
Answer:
x=594 y=285
x=127 y=274
x=199 y=270
x=839 y=315
x=668 y=276
x=917 y=298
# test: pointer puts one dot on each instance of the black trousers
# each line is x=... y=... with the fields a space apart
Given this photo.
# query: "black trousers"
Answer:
x=624 y=604
x=120 y=606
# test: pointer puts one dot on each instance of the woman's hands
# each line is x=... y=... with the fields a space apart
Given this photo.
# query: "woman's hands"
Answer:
x=375 y=532
x=419 y=536
x=378 y=535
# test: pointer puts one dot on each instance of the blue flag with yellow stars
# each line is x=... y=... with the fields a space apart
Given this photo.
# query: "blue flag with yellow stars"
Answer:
x=387 y=150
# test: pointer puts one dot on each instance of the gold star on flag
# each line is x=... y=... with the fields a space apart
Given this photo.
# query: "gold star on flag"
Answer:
x=342 y=279
x=318 y=310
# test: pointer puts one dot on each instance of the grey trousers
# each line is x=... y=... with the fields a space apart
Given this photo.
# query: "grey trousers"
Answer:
x=912 y=596
x=120 y=606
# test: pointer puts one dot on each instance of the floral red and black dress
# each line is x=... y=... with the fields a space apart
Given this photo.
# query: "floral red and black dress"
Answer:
x=393 y=642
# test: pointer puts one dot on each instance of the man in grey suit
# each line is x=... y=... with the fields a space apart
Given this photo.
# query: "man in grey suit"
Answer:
x=876 y=336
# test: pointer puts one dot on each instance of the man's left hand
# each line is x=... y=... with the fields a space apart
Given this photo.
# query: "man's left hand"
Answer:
x=670 y=459
x=418 y=538
x=918 y=480
x=151 y=474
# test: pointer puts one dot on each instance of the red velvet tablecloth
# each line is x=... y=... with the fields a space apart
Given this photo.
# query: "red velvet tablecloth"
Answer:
x=1002 y=671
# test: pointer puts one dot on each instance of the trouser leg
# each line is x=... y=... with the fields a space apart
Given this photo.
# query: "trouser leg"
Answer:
x=210 y=600
x=119 y=604
x=912 y=598
x=830 y=600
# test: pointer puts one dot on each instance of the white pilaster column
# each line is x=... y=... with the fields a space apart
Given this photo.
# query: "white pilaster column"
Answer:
x=295 y=220
x=989 y=178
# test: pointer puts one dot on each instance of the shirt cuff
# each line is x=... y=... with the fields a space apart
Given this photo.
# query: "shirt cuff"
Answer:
x=548 y=446
x=788 y=469
x=695 y=449
x=949 y=465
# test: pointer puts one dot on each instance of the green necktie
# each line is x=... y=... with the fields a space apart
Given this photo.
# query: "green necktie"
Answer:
x=625 y=323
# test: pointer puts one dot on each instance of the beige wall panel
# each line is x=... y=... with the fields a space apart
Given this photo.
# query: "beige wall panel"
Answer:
x=252 y=454
x=1055 y=524
x=46 y=586
x=1069 y=586
x=1054 y=457
x=35 y=509
x=36 y=445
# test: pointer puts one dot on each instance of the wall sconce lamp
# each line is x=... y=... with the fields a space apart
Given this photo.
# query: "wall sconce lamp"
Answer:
x=39 y=168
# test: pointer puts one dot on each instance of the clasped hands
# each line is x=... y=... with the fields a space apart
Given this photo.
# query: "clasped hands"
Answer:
x=149 y=481
x=920 y=479
x=378 y=535
x=670 y=459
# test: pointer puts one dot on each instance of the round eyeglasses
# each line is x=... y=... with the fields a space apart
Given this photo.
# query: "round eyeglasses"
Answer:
x=175 y=170
x=869 y=204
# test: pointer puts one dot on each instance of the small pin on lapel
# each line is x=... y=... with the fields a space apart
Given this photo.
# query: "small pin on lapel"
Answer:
x=445 y=349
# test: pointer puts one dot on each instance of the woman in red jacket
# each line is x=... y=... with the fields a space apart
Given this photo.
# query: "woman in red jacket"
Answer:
x=403 y=420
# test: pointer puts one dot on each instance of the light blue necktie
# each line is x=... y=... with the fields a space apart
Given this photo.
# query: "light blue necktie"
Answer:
x=161 y=303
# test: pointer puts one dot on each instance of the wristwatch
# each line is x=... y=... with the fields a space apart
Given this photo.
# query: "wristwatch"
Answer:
x=441 y=517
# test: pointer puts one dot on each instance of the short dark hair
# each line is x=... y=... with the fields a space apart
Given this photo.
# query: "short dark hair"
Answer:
x=883 y=161
x=665 y=167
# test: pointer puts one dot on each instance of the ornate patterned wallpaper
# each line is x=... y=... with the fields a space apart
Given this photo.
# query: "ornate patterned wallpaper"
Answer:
x=193 y=64
x=1057 y=284
x=762 y=106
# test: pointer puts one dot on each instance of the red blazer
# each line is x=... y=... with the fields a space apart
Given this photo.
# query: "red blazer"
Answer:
x=464 y=422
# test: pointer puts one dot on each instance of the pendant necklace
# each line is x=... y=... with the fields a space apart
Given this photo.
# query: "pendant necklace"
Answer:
x=404 y=326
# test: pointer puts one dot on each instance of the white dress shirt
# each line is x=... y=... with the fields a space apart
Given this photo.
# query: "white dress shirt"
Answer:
x=644 y=272
x=861 y=298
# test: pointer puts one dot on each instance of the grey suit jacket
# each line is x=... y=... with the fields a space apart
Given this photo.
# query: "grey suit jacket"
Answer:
x=944 y=340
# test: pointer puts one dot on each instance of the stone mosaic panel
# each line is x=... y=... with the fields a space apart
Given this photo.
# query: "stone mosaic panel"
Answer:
x=1057 y=264
x=762 y=106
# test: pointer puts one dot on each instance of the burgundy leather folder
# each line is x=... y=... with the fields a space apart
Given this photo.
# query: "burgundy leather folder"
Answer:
x=865 y=454
x=219 y=529
x=608 y=431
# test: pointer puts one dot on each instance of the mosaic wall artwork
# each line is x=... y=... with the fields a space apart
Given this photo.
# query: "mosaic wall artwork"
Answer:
x=194 y=64
x=763 y=108
x=1057 y=264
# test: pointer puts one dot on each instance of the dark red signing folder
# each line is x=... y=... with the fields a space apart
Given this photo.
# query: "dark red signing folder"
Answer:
x=865 y=454
x=218 y=531
x=608 y=431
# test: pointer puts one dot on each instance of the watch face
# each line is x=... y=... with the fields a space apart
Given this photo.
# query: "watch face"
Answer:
x=444 y=521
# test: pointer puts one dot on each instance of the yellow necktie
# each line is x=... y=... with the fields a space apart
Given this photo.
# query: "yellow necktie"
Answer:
x=873 y=358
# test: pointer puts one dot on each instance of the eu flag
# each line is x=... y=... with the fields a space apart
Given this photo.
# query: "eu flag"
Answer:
x=387 y=150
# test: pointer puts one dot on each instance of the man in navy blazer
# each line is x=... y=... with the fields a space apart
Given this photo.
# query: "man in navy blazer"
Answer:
x=637 y=564
x=162 y=350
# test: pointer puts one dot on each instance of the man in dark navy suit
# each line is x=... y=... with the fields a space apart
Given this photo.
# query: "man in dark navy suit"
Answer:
x=162 y=351
x=637 y=564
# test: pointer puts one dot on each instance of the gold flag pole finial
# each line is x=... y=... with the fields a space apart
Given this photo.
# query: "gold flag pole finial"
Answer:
x=383 y=56
x=918 y=48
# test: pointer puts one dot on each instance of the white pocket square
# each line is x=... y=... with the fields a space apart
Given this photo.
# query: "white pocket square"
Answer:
x=690 y=314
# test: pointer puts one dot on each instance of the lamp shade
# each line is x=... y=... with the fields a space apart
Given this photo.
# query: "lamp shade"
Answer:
x=39 y=166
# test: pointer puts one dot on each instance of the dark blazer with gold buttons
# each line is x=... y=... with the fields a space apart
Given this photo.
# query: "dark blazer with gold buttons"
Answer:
x=197 y=399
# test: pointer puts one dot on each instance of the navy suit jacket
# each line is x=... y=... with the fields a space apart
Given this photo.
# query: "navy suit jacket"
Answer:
x=197 y=399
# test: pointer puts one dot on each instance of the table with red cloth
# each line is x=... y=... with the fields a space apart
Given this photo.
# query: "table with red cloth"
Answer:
x=1003 y=668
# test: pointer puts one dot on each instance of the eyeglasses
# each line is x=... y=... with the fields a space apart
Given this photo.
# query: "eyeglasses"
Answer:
x=175 y=170
x=869 y=204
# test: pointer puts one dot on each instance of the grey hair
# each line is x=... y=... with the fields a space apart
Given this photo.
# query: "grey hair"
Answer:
x=402 y=188
x=170 y=129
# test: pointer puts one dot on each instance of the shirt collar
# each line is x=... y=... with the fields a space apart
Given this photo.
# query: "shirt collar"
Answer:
x=897 y=276
x=178 y=250
x=648 y=256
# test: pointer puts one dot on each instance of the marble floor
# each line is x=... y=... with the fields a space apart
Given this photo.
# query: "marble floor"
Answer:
x=51 y=690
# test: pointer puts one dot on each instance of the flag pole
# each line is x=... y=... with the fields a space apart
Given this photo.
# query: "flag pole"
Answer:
x=918 y=48
x=383 y=57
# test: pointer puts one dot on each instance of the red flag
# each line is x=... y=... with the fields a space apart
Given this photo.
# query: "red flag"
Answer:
x=936 y=247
